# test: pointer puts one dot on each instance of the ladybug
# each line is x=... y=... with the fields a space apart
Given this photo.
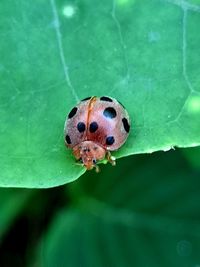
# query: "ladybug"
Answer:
x=94 y=127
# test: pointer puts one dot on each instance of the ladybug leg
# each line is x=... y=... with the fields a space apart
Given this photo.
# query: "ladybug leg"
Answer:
x=97 y=169
x=110 y=158
x=79 y=161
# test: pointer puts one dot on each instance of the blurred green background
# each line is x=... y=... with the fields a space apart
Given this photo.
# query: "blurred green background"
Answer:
x=143 y=212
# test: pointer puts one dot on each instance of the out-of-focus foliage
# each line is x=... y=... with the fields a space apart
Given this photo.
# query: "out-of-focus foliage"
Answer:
x=193 y=156
x=143 y=212
x=12 y=202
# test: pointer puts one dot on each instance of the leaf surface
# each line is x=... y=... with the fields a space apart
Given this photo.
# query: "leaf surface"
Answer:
x=54 y=53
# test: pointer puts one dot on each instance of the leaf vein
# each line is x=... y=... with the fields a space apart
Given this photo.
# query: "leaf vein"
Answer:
x=185 y=5
x=61 y=50
x=184 y=61
x=122 y=43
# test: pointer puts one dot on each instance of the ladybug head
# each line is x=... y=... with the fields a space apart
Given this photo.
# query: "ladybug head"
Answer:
x=88 y=153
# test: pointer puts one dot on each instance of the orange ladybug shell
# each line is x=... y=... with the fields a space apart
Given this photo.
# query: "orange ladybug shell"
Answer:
x=102 y=120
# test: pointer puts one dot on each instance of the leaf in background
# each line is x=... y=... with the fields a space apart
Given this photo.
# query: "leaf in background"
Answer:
x=193 y=156
x=143 y=218
x=53 y=53
x=12 y=201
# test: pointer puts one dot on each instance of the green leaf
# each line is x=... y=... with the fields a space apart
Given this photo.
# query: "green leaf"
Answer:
x=54 y=53
x=145 y=218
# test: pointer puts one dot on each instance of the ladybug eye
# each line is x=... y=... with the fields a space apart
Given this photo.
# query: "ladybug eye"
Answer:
x=94 y=161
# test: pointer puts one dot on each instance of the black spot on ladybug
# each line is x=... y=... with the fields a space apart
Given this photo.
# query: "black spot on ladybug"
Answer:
x=93 y=127
x=110 y=113
x=105 y=98
x=110 y=140
x=72 y=112
x=126 y=124
x=67 y=139
x=87 y=98
x=81 y=127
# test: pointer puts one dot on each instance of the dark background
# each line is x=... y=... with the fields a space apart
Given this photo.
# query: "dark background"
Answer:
x=143 y=212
